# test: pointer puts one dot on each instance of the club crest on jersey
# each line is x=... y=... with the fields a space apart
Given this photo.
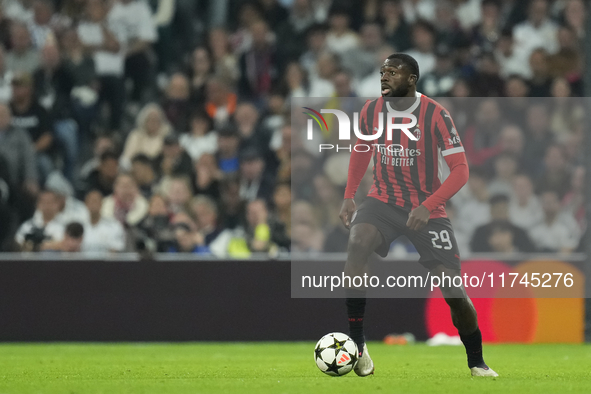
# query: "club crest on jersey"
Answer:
x=417 y=133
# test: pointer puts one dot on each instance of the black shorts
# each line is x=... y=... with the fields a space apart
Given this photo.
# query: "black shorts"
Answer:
x=435 y=242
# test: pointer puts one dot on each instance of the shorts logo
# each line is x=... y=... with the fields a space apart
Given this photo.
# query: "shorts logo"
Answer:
x=354 y=216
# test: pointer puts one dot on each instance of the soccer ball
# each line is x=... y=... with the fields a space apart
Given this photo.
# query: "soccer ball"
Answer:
x=336 y=354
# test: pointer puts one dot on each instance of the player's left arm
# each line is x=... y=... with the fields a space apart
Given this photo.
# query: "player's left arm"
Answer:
x=452 y=150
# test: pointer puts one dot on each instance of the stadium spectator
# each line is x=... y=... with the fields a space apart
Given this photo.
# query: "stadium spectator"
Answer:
x=512 y=141
x=142 y=170
x=200 y=70
x=525 y=208
x=44 y=23
x=101 y=234
x=294 y=30
x=539 y=138
x=176 y=103
x=255 y=183
x=227 y=155
x=559 y=231
x=442 y=79
x=220 y=101
x=574 y=17
x=205 y=211
x=148 y=136
x=232 y=206
x=102 y=143
x=360 y=61
x=537 y=31
x=173 y=160
x=201 y=138
x=258 y=66
x=126 y=204
x=53 y=84
x=29 y=115
x=500 y=239
x=225 y=63
x=481 y=138
x=415 y=10
x=487 y=33
x=22 y=57
x=505 y=169
x=187 y=238
x=511 y=60
x=340 y=38
x=135 y=17
x=207 y=177
x=316 y=45
x=473 y=199
x=177 y=191
x=486 y=81
x=321 y=84
x=103 y=177
x=574 y=201
x=423 y=46
x=154 y=230
x=258 y=233
x=499 y=215
x=43 y=225
x=539 y=83
x=253 y=135
x=85 y=85
x=70 y=209
x=105 y=40
x=71 y=241
x=18 y=152
x=396 y=28
x=295 y=83
x=556 y=175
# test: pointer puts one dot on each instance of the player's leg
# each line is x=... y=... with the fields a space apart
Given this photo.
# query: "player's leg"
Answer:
x=364 y=238
x=464 y=318
x=439 y=252
x=374 y=226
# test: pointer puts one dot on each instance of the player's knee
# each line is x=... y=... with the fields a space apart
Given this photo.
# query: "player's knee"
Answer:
x=361 y=242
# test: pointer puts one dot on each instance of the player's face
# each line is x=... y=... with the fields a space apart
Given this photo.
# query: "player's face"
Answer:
x=396 y=79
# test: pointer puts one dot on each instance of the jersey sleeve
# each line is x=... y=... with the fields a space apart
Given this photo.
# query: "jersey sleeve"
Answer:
x=448 y=139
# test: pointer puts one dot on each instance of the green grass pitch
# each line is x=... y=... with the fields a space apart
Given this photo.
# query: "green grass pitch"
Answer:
x=283 y=368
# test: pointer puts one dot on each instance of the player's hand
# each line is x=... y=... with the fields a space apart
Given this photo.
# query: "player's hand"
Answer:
x=347 y=211
x=418 y=218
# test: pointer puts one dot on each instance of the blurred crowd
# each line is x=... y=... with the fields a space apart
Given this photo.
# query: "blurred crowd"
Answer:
x=164 y=125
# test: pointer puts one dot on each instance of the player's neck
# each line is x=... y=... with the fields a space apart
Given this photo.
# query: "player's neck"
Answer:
x=404 y=103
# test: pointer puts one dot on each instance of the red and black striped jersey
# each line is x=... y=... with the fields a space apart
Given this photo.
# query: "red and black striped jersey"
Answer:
x=407 y=172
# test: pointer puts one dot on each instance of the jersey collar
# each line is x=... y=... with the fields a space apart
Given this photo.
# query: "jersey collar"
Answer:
x=411 y=109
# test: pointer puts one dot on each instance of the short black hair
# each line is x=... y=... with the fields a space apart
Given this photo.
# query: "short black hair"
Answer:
x=75 y=230
x=408 y=61
x=499 y=199
x=109 y=155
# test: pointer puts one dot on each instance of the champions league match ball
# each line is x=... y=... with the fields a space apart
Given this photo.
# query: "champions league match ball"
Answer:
x=336 y=354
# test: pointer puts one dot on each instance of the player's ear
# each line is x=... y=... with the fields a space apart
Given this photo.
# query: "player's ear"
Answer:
x=413 y=78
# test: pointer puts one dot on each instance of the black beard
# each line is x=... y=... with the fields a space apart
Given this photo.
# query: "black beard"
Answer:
x=402 y=91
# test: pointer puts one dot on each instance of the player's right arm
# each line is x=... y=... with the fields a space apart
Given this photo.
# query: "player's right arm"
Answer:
x=357 y=167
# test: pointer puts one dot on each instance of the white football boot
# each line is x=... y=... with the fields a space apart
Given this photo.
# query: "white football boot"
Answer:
x=364 y=366
x=476 y=371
